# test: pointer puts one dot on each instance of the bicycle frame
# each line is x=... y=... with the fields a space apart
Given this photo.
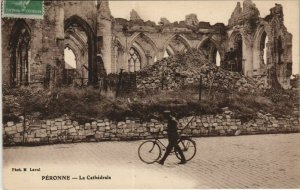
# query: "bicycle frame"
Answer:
x=185 y=143
x=164 y=147
x=160 y=144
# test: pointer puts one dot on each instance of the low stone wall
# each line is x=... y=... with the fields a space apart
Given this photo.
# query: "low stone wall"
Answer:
x=63 y=130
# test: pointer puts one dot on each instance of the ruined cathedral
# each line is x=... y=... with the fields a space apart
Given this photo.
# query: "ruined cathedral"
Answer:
x=33 y=49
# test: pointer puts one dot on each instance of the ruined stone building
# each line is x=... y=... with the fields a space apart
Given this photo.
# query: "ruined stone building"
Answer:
x=33 y=50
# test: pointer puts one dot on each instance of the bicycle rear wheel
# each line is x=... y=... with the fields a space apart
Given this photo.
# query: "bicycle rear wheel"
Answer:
x=188 y=147
x=149 y=151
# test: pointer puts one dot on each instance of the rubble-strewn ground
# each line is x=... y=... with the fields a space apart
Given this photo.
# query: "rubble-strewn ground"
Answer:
x=258 y=161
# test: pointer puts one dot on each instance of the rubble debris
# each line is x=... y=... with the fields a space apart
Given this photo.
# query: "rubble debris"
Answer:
x=175 y=71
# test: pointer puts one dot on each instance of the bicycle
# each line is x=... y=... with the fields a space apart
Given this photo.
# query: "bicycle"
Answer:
x=150 y=151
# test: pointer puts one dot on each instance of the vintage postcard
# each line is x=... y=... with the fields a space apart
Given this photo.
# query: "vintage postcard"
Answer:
x=101 y=94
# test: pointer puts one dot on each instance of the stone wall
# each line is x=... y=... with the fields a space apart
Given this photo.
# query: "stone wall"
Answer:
x=63 y=130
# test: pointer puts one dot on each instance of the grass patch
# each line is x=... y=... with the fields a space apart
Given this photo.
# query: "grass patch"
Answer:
x=86 y=104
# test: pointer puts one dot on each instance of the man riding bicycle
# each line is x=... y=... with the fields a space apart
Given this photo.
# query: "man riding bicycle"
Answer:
x=173 y=138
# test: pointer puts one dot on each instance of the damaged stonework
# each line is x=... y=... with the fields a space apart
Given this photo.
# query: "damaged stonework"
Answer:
x=33 y=50
x=63 y=130
x=266 y=43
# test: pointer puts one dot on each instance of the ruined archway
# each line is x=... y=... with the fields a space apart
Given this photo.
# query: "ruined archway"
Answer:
x=176 y=44
x=19 y=50
x=146 y=48
x=210 y=51
x=81 y=38
x=237 y=51
x=136 y=58
x=76 y=41
x=261 y=51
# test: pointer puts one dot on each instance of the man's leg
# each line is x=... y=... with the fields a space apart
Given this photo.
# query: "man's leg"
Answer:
x=168 y=150
x=178 y=149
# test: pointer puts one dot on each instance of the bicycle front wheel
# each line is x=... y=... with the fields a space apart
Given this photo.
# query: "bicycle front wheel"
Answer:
x=188 y=147
x=149 y=151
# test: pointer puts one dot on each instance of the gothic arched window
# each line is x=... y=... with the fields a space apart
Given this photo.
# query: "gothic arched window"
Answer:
x=19 y=55
x=238 y=46
x=134 y=61
x=263 y=48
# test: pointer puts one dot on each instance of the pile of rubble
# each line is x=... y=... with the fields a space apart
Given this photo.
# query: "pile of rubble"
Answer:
x=173 y=72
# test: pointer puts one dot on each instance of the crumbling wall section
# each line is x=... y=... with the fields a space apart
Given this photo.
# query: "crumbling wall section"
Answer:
x=247 y=22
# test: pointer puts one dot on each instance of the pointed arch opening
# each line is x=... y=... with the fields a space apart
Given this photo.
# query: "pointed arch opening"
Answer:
x=238 y=53
x=146 y=47
x=261 y=50
x=81 y=38
x=134 y=60
x=20 y=50
x=211 y=52
x=177 y=44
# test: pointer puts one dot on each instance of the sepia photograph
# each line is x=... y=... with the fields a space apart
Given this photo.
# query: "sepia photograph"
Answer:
x=166 y=94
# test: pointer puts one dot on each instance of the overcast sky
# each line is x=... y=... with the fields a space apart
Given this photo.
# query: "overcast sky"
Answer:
x=209 y=11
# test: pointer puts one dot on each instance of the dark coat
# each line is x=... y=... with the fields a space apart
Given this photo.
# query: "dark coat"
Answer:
x=172 y=130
